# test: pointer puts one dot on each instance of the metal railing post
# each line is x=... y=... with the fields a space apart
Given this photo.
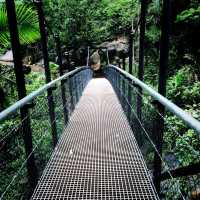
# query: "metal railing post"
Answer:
x=50 y=98
x=21 y=88
x=163 y=66
x=63 y=89
x=141 y=66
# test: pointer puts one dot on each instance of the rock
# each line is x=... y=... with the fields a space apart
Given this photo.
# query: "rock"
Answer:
x=27 y=60
x=37 y=68
x=95 y=61
x=118 y=47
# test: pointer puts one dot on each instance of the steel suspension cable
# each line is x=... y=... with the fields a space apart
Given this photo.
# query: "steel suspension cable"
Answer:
x=153 y=145
x=156 y=110
x=41 y=107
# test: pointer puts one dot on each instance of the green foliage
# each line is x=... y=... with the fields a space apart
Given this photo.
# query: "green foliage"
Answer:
x=34 y=81
x=153 y=19
x=27 y=23
x=8 y=86
x=153 y=34
x=187 y=148
x=83 y=22
x=54 y=69
x=183 y=142
x=90 y=21
x=183 y=89
x=192 y=14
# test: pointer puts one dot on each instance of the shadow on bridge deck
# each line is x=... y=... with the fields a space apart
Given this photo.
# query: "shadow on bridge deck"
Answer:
x=97 y=156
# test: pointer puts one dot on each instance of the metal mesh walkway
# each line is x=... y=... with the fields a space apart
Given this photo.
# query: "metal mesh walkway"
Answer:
x=97 y=156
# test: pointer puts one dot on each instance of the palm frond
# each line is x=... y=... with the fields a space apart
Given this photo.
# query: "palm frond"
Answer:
x=3 y=18
x=28 y=34
x=4 y=38
x=27 y=24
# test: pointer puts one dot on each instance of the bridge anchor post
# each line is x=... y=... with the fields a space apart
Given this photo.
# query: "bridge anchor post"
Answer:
x=141 y=68
x=50 y=98
x=21 y=88
x=163 y=66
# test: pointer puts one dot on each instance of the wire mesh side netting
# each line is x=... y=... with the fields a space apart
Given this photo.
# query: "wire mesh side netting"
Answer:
x=180 y=143
x=13 y=160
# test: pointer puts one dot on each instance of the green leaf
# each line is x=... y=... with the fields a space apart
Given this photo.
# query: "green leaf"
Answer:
x=191 y=14
x=27 y=24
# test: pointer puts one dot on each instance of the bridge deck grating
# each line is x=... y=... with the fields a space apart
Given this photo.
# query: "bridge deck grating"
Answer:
x=97 y=156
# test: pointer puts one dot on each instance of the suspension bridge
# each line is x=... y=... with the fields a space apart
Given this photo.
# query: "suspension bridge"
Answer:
x=99 y=126
x=97 y=156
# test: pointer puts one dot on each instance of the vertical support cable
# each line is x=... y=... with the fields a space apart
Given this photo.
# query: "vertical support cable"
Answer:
x=51 y=104
x=163 y=66
x=63 y=89
x=141 y=63
x=20 y=80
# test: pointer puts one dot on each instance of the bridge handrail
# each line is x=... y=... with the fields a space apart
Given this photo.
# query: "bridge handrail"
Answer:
x=19 y=104
x=170 y=106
